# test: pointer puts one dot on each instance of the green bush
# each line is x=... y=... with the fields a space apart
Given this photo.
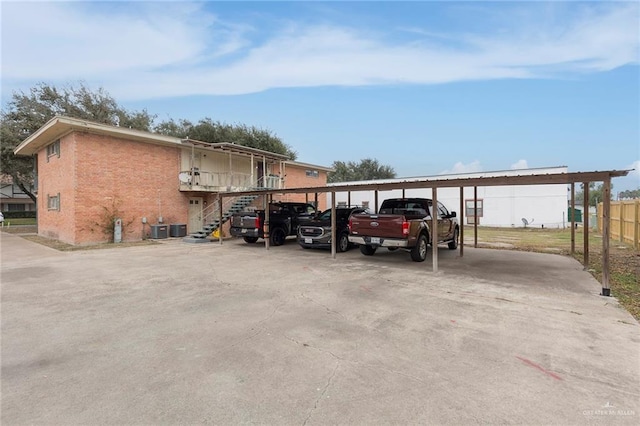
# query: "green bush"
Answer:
x=19 y=215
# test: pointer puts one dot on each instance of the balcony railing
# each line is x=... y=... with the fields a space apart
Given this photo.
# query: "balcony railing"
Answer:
x=218 y=182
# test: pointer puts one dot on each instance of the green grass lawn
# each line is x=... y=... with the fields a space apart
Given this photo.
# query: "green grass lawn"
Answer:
x=20 y=222
x=531 y=239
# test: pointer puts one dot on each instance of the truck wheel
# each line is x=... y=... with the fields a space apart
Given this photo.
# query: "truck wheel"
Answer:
x=367 y=250
x=277 y=237
x=250 y=240
x=453 y=244
x=419 y=252
x=343 y=243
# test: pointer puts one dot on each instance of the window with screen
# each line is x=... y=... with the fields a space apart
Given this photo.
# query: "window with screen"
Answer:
x=469 y=208
x=53 y=150
x=53 y=202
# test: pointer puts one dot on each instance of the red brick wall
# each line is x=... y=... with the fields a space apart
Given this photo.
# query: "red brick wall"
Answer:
x=136 y=179
x=57 y=175
x=98 y=176
x=296 y=177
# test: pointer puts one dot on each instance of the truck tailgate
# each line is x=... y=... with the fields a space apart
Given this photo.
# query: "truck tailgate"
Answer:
x=247 y=220
x=377 y=225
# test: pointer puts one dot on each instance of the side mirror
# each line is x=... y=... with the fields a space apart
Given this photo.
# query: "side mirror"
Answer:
x=453 y=214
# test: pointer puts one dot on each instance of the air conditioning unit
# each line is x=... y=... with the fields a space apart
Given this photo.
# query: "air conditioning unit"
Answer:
x=178 y=230
x=159 y=232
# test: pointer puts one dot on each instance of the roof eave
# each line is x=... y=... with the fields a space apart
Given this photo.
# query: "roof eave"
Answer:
x=60 y=126
x=314 y=166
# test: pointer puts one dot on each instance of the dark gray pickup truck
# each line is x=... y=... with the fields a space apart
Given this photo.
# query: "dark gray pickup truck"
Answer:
x=284 y=218
x=316 y=233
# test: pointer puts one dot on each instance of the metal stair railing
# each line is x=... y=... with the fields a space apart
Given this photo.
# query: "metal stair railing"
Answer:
x=211 y=214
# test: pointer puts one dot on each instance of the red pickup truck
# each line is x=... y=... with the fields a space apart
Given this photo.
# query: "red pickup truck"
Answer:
x=403 y=223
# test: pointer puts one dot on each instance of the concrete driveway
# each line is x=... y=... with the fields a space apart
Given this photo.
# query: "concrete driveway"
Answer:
x=176 y=333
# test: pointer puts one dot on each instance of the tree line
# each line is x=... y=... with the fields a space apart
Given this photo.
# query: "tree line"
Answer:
x=25 y=113
x=630 y=194
x=596 y=194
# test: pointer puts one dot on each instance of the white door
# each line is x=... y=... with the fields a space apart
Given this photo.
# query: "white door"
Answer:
x=195 y=214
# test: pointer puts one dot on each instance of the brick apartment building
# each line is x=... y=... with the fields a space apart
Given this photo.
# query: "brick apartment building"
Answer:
x=88 y=173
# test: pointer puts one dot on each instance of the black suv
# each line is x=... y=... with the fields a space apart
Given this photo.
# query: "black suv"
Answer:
x=316 y=233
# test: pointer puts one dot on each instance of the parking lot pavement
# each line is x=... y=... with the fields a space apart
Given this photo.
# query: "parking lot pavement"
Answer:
x=233 y=333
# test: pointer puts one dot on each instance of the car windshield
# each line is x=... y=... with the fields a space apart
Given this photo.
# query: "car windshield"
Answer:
x=325 y=215
x=341 y=213
x=406 y=207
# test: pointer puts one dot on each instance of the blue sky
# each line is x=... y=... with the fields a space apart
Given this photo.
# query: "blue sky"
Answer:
x=425 y=87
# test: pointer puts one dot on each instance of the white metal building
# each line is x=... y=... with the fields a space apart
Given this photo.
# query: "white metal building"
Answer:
x=502 y=206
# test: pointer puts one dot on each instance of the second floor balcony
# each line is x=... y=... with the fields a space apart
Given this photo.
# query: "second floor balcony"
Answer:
x=203 y=181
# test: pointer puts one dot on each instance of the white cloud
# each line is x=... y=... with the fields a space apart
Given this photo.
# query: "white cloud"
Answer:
x=520 y=164
x=636 y=166
x=70 y=40
x=596 y=40
x=629 y=182
x=460 y=167
x=144 y=50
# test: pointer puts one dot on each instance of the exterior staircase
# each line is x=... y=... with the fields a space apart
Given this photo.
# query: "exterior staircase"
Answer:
x=232 y=206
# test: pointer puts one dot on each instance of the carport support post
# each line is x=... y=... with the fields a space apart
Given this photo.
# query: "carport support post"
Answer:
x=461 y=222
x=333 y=224
x=348 y=198
x=434 y=227
x=220 y=218
x=585 y=222
x=606 y=224
x=475 y=217
x=376 y=199
x=573 y=218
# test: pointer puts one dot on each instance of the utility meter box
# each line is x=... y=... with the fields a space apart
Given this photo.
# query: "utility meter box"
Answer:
x=117 y=231
x=159 y=231
x=178 y=230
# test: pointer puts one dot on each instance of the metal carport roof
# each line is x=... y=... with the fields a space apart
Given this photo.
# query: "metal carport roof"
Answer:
x=434 y=183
